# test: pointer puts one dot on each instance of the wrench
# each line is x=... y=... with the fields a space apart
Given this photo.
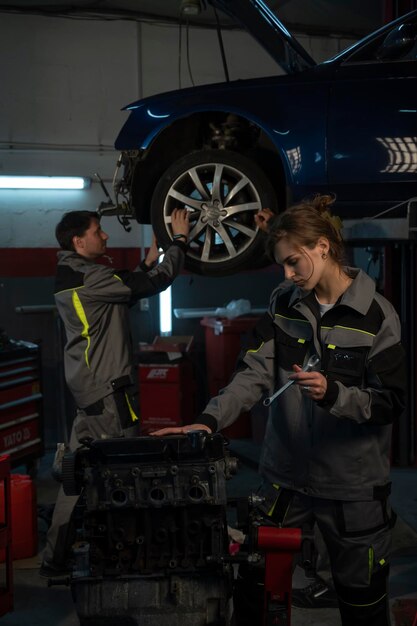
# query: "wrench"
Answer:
x=312 y=362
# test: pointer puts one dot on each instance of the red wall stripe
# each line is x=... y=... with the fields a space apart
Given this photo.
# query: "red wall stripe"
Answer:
x=36 y=262
x=41 y=262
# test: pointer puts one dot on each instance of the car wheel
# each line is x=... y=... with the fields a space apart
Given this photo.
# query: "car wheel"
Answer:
x=222 y=191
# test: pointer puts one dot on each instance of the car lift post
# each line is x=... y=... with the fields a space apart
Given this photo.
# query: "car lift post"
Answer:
x=396 y=235
x=279 y=546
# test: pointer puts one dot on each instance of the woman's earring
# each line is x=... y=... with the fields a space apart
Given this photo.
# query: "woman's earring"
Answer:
x=324 y=256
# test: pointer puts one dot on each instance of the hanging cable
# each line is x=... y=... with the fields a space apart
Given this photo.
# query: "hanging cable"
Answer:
x=188 y=52
x=220 y=38
x=179 y=50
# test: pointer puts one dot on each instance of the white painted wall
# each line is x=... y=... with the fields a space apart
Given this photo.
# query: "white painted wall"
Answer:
x=63 y=83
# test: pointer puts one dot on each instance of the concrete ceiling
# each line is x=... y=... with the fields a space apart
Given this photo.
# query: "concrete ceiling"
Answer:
x=321 y=17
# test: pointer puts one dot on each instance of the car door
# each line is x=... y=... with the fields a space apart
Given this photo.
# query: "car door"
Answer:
x=372 y=125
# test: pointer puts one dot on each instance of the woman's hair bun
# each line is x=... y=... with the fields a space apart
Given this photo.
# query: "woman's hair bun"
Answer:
x=322 y=203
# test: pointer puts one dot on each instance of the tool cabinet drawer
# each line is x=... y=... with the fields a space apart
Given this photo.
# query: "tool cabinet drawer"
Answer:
x=21 y=403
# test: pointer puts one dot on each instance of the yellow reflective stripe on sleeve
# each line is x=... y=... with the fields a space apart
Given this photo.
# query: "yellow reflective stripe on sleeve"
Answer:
x=79 y=309
x=118 y=277
x=301 y=341
x=131 y=411
x=331 y=346
x=255 y=350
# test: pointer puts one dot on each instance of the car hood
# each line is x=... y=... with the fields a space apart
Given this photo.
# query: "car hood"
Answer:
x=258 y=19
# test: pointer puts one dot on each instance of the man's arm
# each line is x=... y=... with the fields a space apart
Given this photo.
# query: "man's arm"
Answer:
x=126 y=286
x=152 y=256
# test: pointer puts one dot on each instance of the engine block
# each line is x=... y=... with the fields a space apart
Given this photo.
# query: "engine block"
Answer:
x=151 y=529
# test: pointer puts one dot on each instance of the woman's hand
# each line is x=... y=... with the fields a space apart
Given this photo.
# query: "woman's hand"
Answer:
x=262 y=218
x=180 y=430
x=313 y=384
x=180 y=223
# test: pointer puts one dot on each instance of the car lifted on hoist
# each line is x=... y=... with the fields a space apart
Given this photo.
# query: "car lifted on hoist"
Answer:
x=224 y=151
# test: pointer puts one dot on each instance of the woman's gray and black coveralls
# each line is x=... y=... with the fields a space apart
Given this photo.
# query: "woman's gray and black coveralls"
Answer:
x=328 y=462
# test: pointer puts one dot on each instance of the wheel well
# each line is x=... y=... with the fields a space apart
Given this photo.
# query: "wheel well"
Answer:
x=207 y=130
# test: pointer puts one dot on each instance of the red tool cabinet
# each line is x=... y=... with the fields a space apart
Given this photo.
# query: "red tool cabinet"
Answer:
x=224 y=342
x=166 y=384
x=21 y=403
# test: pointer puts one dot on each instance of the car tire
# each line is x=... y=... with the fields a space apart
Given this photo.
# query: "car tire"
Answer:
x=222 y=191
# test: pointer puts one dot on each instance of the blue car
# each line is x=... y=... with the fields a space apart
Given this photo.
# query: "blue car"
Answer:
x=346 y=126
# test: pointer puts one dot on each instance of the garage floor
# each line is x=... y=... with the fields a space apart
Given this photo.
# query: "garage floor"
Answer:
x=37 y=605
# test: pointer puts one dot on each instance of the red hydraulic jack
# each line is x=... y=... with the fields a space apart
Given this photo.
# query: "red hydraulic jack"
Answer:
x=279 y=546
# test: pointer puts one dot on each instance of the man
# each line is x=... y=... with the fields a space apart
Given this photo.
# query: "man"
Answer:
x=93 y=302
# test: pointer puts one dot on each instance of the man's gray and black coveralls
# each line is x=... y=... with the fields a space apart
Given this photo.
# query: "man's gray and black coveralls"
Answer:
x=93 y=302
x=329 y=462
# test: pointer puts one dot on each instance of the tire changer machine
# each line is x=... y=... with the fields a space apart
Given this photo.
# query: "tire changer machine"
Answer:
x=152 y=545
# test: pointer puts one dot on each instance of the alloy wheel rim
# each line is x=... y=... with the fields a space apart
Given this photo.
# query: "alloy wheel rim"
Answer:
x=222 y=202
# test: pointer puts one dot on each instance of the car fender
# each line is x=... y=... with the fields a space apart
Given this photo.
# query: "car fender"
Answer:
x=151 y=117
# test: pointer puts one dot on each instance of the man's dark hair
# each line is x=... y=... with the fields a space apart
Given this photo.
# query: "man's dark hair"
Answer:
x=73 y=224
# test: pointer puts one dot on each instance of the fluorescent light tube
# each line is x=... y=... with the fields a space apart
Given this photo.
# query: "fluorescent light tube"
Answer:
x=44 y=182
x=165 y=310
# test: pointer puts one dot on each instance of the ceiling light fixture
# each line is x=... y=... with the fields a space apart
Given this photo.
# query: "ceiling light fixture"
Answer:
x=190 y=7
x=44 y=182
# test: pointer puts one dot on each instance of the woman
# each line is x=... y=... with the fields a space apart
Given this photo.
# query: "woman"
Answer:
x=325 y=457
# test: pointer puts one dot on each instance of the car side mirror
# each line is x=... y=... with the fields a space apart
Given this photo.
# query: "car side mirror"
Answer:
x=398 y=42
